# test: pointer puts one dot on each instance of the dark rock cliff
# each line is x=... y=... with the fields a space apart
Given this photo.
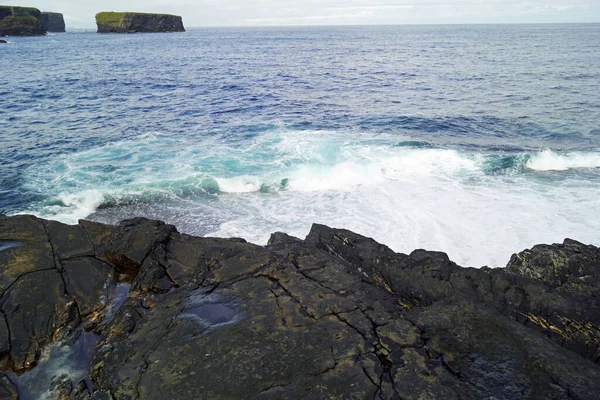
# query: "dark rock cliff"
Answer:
x=21 y=21
x=127 y=22
x=54 y=22
x=336 y=315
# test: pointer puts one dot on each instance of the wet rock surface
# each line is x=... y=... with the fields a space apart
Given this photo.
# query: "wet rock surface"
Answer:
x=336 y=315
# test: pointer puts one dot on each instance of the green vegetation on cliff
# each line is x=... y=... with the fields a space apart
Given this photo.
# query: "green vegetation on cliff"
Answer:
x=112 y=19
x=21 y=21
x=19 y=11
x=130 y=22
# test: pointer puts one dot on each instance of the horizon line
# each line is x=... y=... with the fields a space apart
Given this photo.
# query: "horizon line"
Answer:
x=362 y=25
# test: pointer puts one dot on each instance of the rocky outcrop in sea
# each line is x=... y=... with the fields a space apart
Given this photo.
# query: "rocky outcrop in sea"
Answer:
x=155 y=314
x=130 y=22
x=54 y=22
x=21 y=21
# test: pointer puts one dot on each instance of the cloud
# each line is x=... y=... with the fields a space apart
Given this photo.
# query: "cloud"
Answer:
x=70 y=18
x=322 y=12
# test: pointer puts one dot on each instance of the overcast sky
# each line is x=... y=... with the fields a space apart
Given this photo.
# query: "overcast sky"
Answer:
x=80 y=13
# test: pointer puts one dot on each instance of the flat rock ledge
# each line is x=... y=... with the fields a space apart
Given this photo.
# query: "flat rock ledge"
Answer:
x=336 y=315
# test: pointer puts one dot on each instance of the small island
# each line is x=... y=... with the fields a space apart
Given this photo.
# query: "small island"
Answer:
x=54 y=22
x=132 y=22
x=21 y=21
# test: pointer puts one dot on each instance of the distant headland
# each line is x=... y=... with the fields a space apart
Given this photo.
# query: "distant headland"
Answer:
x=132 y=22
x=53 y=21
x=29 y=21
x=21 y=21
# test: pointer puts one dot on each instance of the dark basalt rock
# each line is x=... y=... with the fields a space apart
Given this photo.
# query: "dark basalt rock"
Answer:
x=21 y=21
x=49 y=285
x=54 y=22
x=8 y=391
x=570 y=267
x=2 y=41
x=131 y=22
x=336 y=315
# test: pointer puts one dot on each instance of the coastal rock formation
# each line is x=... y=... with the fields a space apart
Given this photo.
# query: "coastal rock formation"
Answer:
x=21 y=21
x=128 y=22
x=54 y=22
x=336 y=315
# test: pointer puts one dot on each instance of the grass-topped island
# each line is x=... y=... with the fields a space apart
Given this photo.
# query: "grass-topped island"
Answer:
x=131 y=22
x=21 y=21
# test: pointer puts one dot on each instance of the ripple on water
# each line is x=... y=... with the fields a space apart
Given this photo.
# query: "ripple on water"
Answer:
x=66 y=360
x=5 y=245
x=211 y=310
x=60 y=360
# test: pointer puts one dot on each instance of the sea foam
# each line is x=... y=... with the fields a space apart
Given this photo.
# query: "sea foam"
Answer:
x=548 y=160
x=477 y=206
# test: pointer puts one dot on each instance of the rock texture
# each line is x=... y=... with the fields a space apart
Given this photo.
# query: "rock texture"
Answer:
x=54 y=22
x=336 y=315
x=128 y=22
x=21 y=21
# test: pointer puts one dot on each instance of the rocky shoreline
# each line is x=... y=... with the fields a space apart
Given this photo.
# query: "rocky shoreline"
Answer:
x=159 y=314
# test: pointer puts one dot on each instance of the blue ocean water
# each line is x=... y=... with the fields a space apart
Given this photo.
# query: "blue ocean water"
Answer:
x=474 y=140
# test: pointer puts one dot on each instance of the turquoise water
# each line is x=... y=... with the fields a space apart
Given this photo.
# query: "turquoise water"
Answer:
x=474 y=140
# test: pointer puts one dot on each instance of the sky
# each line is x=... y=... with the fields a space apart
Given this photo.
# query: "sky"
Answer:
x=79 y=14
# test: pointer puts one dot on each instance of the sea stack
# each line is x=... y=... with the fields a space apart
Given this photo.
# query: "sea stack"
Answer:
x=21 y=21
x=54 y=22
x=132 y=22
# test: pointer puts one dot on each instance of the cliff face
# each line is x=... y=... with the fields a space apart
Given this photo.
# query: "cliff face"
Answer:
x=53 y=22
x=126 y=22
x=336 y=315
x=21 y=21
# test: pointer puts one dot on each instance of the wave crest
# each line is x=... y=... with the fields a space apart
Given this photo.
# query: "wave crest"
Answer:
x=155 y=168
x=548 y=160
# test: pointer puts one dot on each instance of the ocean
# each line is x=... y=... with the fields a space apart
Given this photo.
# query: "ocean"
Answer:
x=476 y=140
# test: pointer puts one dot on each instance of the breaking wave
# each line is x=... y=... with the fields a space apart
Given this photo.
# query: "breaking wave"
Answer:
x=406 y=193
x=548 y=160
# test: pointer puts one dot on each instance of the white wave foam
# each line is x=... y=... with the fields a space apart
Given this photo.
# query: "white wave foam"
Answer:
x=430 y=162
x=407 y=198
x=376 y=167
x=547 y=160
x=74 y=207
x=239 y=184
x=343 y=176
